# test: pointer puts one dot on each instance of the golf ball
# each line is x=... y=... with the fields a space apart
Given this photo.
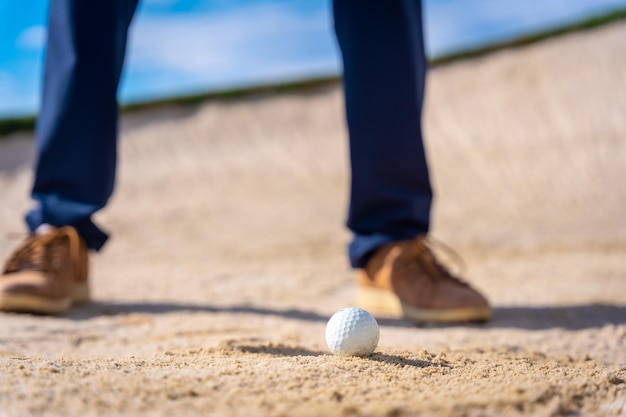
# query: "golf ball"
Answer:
x=352 y=331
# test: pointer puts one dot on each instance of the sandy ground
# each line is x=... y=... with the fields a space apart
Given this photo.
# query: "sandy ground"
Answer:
x=228 y=256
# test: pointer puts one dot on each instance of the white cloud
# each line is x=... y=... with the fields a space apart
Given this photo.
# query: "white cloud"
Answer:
x=33 y=37
x=223 y=46
x=461 y=23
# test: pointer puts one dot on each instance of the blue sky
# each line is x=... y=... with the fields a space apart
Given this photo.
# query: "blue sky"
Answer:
x=187 y=46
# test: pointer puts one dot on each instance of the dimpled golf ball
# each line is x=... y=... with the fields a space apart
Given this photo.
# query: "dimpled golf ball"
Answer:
x=352 y=331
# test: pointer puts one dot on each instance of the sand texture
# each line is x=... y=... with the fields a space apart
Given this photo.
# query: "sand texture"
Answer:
x=228 y=256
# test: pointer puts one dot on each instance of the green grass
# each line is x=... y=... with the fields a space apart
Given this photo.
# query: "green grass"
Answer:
x=27 y=123
x=17 y=124
x=235 y=93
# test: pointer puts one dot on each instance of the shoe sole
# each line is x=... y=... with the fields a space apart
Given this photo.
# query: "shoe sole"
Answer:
x=23 y=303
x=382 y=302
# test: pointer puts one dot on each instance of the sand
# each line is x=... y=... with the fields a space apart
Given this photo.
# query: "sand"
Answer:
x=228 y=256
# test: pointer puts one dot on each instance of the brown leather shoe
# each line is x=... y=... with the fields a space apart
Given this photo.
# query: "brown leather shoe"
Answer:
x=46 y=274
x=405 y=278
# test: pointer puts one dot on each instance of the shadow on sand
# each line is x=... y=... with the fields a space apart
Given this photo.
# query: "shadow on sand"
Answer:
x=260 y=346
x=278 y=349
x=574 y=317
x=97 y=309
x=264 y=348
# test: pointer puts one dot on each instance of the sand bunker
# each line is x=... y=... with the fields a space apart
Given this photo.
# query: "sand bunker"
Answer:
x=227 y=256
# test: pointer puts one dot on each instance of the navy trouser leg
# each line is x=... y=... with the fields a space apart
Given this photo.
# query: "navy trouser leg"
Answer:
x=77 y=127
x=382 y=46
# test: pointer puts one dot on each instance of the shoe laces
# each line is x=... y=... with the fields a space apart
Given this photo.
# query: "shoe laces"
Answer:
x=41 y=252
x=422 y=251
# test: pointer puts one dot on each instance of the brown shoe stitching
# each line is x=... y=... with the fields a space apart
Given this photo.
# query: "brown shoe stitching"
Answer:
x=31 y=255
x=421 y=251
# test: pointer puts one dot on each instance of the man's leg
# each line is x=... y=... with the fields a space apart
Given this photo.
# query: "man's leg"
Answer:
x=77 y=127
x=76 y=138
x=384 y=72
x=382 y=46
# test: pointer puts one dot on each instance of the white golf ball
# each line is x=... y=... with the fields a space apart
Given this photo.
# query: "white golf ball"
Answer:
x=352 y=331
